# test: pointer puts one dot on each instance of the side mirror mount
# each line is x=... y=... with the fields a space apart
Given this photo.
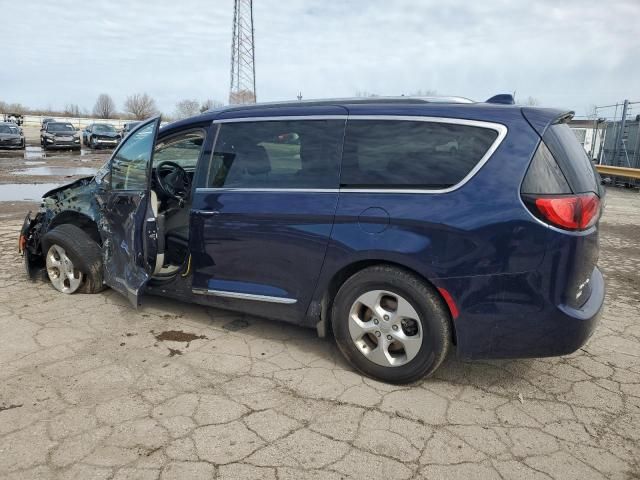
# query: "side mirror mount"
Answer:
x=102 y=176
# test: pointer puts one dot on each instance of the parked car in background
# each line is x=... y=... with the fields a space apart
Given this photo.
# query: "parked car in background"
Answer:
x=43 y=128
x=101 y=135
x=60 y=135
x=360 y=227
x=128 y=126
x=45 y=121
x=12 y=117
x=11 y=136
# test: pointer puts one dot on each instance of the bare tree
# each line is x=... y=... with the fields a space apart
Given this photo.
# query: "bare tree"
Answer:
x=429 y=92
x=242 y=97
x=187 y=108
x=364 y=93
x=532 y=101
x=72 y=110
x=13 y=108
x=210 y=103
x=104 y=107
x=140 y=106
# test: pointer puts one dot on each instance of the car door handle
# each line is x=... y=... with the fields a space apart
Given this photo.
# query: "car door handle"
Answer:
x=206 y=213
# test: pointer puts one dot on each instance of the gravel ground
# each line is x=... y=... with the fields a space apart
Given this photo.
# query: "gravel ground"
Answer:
x=92 y=389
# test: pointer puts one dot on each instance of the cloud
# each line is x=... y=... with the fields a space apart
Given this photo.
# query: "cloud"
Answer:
x=566 y=54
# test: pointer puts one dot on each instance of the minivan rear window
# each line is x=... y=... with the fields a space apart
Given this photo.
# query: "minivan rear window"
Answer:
x=572 y=158
x=411 y=154
x=277 y=154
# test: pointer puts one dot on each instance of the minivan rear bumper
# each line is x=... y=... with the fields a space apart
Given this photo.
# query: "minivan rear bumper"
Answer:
x=539 y=329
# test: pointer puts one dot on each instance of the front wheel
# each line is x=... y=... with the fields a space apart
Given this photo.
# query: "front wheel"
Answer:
x=391 y=325
x=73 y=260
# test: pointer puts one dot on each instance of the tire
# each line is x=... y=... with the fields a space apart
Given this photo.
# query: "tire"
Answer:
x=84 y=253
x=93 y=143
x=433 y=324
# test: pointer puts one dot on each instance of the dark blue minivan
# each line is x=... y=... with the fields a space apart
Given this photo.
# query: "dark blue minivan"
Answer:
x=403 y=226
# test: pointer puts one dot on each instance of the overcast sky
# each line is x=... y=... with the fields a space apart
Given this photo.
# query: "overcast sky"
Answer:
x=570 y=53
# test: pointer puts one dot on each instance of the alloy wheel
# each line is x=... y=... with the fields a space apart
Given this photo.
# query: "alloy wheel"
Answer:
x=385 y=328
x=61 y=271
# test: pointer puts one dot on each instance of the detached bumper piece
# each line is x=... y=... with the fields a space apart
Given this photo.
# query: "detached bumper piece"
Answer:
x=29 y=245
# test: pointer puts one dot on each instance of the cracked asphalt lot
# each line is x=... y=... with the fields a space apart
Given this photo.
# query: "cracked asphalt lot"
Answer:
x=92 y=389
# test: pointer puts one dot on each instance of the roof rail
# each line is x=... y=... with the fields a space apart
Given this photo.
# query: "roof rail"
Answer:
x=502 y=98
x=344 y=101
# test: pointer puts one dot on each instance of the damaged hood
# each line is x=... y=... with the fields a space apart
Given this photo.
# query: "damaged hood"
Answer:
x=72 y=189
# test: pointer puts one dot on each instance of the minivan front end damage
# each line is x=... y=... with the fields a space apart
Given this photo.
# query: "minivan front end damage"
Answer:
x=73 y=203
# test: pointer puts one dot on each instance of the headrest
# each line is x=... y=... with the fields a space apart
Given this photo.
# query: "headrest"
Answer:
x=253 y=159
x=314 y=153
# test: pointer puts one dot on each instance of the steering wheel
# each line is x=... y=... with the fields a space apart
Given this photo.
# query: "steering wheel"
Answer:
x=173 y=180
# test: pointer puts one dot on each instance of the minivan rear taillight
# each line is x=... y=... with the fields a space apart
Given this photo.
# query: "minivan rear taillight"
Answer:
x=570 y=212
x=550 y=197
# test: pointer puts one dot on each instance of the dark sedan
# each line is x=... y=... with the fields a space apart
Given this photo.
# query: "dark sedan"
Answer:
x=60 y=135
x=100 y=135
x=11 y=136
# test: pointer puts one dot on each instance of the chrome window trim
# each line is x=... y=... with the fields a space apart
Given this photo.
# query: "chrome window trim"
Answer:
x=243 y=296
x=501 y=129
x=283 y=118
x=240 y=189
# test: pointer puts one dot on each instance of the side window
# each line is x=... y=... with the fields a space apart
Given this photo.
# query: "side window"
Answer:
x=277 y=154
x=183 y=149
x=572 y=158
x=130 y=165
x=411 y=154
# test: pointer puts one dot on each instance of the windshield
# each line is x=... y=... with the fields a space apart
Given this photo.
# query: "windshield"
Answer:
x=104 y=128
x=8 y=129
x=60 y=127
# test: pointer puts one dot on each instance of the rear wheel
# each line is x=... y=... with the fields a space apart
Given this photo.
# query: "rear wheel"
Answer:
x=73 y=260
x=391 y=325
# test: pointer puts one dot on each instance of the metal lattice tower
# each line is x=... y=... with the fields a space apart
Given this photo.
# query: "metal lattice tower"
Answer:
x=243 y=69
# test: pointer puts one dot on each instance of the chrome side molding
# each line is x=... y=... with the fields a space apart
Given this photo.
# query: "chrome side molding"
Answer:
x=243 y=296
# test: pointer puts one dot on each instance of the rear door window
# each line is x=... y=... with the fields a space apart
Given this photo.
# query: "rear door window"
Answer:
x=277 y=154
x=411 y=154
x=572 y=158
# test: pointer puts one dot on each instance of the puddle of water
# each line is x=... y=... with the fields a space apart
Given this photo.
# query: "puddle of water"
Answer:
x=24 y=191
x=57 y=171
x=37 y=152
x=34 y=163
x=33 y=152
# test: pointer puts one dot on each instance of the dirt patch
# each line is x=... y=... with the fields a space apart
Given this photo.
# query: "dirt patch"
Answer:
x=627 y=231
x=236 y=325
x=9 y=407
x=177 y=336
x=174 y=351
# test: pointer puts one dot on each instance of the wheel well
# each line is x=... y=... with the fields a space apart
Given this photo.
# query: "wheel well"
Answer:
x=80 y=220
x=342 y=275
